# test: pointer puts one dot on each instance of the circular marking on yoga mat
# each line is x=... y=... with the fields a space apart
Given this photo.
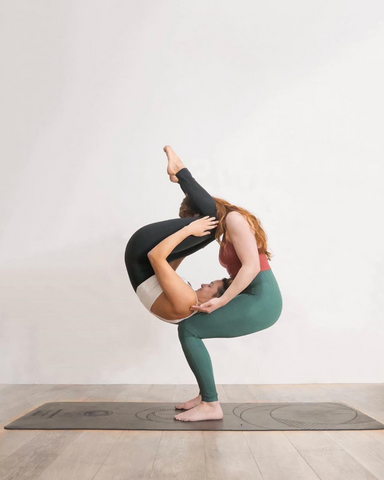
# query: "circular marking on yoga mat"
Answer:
x=307 y=416
x=245 y=413
x=301 y=416
x=98 y=413
x=158 y=415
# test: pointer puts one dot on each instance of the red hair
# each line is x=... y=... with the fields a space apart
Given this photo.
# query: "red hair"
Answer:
x=223 y=208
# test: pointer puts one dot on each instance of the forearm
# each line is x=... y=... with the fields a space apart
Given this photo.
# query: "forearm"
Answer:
x=166 y=246
x=244 y=277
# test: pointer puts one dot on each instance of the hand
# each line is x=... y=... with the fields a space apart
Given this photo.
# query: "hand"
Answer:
x=201 y=227
x=209 y=306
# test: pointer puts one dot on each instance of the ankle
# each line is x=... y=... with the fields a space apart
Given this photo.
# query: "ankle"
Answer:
x=211 y=404
x=178 y=168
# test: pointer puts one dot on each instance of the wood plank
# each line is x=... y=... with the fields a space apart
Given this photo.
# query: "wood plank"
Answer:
x=180 y=455
x=91 y=446
x=61 y=469
x=30 y=460
x=133 y=393
x=6 y=386
x=29 y=389
x=57 y=393
x=105 y=393
x=229 y=457
x=159 y=393
x=22 y=395
x=327 y=459
x=266 y=393
x=378 y=435
x=239 y=394
x=132 y=457
x=313 y=443
x=11 y=412
x=83 y=457
x=277 y=458
x=6 y=389
x=78 y=393
x=302 y=393
x=12 y=440
x=367 y=451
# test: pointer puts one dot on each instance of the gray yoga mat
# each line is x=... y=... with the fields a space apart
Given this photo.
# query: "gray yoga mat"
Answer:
x=160 y=416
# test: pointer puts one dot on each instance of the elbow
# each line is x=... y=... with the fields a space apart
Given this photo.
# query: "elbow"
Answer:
x=255 y=268
x=151 y=256
x=154 y=257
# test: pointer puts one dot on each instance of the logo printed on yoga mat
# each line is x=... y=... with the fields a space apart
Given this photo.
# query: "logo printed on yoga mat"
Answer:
x=98 y=413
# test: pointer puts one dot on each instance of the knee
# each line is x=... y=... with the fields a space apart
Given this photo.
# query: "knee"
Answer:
x=183 y=330
x=212 y=210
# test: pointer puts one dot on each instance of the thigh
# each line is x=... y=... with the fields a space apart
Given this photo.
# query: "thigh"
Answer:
x=243 y=315
x=147 y=237
x=143 y=240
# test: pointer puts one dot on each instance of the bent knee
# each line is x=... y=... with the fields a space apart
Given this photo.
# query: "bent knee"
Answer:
x=184 y=329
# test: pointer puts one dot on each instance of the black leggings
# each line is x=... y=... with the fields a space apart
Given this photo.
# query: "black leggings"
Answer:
x=138 y=265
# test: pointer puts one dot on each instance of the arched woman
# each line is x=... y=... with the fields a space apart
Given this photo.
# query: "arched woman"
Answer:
x=154 y=252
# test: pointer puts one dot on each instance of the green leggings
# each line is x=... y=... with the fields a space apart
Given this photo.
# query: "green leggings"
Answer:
x=256 y=308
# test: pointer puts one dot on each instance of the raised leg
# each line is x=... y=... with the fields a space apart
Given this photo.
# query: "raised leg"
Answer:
x=136 y=261
x=201 y=200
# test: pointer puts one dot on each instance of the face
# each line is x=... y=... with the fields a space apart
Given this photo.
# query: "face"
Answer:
x=208 y=290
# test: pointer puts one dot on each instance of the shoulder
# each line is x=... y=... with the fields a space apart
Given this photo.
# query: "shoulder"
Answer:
x=235 y=218
x=234 y=214
x=237 y=223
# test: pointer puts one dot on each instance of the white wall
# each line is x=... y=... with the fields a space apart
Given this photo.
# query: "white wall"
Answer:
x=274 y=106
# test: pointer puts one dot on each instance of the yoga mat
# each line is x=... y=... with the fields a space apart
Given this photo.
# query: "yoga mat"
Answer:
x=160 y=416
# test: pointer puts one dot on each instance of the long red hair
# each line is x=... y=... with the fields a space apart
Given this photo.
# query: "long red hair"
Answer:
x=223 y=208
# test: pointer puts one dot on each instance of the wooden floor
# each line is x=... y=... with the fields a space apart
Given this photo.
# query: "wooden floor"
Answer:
x=118 y=455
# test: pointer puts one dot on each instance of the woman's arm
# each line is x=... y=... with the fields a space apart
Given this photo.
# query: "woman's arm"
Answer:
x=245 y=245
x=166 y=246
x=198 y=228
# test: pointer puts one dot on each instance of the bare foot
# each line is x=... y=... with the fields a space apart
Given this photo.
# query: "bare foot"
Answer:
x=190 y=404
x=174 y=163
x=174 y=179
x=203 y=411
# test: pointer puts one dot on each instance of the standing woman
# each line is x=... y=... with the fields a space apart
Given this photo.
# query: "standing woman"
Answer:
x=252 y=302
